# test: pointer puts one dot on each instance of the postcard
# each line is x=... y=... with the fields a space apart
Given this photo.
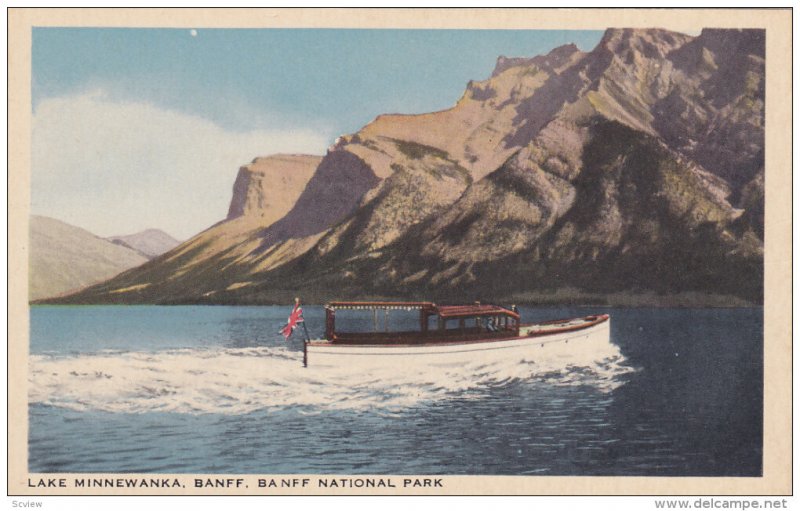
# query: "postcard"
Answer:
x=400 y=252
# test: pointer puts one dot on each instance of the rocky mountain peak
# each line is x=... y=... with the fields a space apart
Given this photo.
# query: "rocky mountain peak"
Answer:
x=553 y=61
x=652 y=43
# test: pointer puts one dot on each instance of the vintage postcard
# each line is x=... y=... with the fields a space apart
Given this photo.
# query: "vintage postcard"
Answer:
x=400 y=252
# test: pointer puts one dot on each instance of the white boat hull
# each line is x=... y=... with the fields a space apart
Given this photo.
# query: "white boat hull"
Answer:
x=564 y=345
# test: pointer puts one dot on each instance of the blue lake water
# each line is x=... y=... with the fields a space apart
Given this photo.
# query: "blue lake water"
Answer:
x=216 y=390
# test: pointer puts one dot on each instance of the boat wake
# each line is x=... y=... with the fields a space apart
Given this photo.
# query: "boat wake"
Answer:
x=238 y=381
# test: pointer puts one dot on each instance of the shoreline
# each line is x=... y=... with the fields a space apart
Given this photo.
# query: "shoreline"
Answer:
x=689 y=300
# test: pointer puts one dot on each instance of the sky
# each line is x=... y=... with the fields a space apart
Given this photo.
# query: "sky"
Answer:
x=147 y=128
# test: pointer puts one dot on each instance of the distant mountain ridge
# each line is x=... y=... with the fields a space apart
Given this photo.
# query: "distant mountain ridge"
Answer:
x=637 y=167
x=66 y=258
x=150 y=242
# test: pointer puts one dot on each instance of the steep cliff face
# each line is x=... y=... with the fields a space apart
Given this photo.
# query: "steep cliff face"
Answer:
x=636 y=167
x=267 y=188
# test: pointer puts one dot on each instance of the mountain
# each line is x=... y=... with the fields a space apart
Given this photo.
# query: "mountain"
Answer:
x=227 y=254
x=150 y=242
x=66 y=258
x=634 y=169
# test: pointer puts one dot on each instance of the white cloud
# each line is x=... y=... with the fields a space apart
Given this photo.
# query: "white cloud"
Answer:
x=116 y=167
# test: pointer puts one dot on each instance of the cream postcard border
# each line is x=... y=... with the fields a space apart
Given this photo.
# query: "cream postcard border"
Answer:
x=777 y=458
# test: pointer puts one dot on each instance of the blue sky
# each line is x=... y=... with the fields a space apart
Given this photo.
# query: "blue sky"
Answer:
x=139 y=128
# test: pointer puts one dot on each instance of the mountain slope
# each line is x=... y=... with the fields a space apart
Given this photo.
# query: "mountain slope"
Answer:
x=65 y=258
x=150 y=242
x=634 y=168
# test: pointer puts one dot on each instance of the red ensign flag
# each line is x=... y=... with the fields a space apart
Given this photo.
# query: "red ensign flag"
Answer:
x=295 y=318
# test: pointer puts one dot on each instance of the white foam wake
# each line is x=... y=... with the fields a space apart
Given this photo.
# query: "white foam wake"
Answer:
x=236 y=381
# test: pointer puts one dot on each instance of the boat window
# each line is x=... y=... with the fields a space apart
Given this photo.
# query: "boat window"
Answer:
x=452 y=324
x=459 y=323
x=433 y=322
x=376 y=320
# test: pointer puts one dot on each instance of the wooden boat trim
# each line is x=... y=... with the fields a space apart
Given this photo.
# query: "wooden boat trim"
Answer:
x=469 y=311
x=597 y=319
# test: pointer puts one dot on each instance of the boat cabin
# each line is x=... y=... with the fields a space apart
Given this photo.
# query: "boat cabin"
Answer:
x=436 y=323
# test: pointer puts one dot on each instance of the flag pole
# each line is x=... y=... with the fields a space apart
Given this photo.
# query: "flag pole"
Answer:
x=305 y=329
x=307 y=339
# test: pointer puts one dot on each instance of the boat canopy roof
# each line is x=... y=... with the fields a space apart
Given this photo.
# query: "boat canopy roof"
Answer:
x=464 y=311
x=430 y=308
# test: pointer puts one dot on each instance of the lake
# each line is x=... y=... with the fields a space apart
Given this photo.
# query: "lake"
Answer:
x=216 y=389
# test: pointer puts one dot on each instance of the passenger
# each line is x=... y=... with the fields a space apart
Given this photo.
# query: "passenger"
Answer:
x=491 y=325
